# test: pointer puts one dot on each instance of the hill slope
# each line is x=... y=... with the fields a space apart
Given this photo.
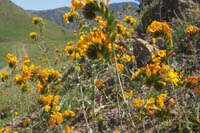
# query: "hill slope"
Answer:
x=56 y=15
x=16 y=24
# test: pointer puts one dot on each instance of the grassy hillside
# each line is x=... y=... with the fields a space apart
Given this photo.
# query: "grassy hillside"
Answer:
x=15 y=25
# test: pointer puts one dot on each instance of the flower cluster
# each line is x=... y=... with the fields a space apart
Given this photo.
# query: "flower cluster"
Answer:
x=157 y=74
x=159 y=28
x=99 y=84
x=69 y=129
x=102 y=25
x=127 y=57
x=122 y=59
x=5 y=130
x=89 y=8
x=4 y=75
x=12 y=60
x=70 y=16
x=69 y=49
x=46 y=78
x=121 y=30
x=28 y=72
x=153 y=105
x=50 y=102
x=94 y=45
x=120 y=67
x=23 y=84
x=193 y=82
x=26 y=61
x=129 y=20
x=128 y=5
x=34 y=35
x=79 y=4
x=192 y=29
x=26 y=122
x=52 y=107
x=48 y=75
x=36 y=20
x=158 y=56
x=56 y=119
x=129 y=95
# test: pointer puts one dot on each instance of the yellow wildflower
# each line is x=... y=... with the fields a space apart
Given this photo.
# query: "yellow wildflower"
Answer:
x=99 y=55
x=47 y=100
x=47 y=108
x=56 y=99
x=52 y=122
x=192 y=29
x=99 y=84
x=156 y=26
x=57 y=116
x=26 y=122
x=116 y=131
x=120 y=67
x=129 y=95
x=138 y=103
x=39 y=86
x=15 y=113
x=4 y=75
x=69 y=17
x=160 y=100
x=12 y=60
x=69 y=129
x=194 y=80
x=69 y=113
x=76 y=4
x=99 y=18
x=17 y=78
x=127 y=57
x=36 y=20
x=121 y=29
x=151 y=104
x=57 y=108
x=26 y=73
x=34 y=35
x=136 y=74
x=129 y=20
x=5 y=130
x=171 y=102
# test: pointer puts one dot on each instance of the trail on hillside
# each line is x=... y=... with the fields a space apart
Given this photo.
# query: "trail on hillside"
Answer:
x=24 y=51
x=20 y=52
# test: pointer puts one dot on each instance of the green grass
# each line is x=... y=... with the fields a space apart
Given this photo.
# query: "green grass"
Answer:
x=5 y=48
x=13 y=100
x=15 y=26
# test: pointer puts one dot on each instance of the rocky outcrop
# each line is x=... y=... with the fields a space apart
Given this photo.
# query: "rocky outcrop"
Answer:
x=143 y=50
x=165 y=10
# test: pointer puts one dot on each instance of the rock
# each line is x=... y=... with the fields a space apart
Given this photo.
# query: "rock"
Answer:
x=165 y=10
x=143 y=51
